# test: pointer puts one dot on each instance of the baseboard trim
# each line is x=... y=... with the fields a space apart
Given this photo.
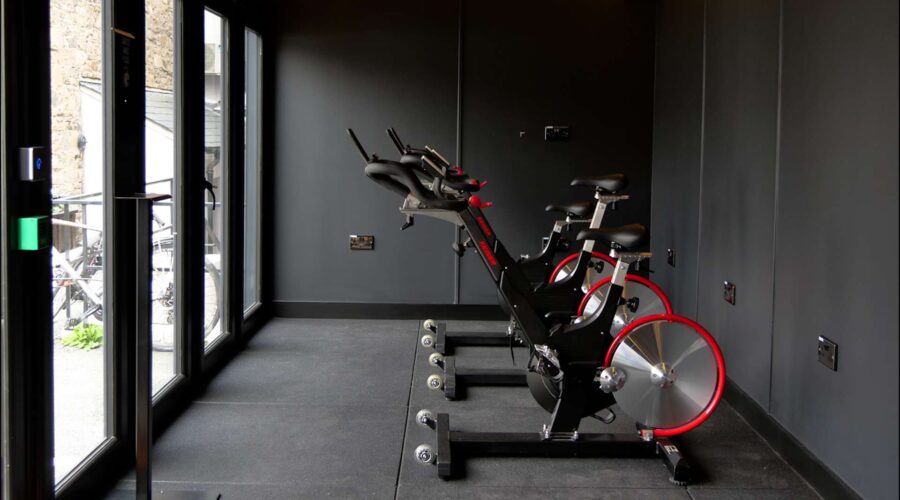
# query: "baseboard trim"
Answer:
x=817 y=474
x=360 y=310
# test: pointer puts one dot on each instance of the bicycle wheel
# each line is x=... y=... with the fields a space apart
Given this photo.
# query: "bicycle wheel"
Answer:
x=674 y=373
x=641 y=297
x=212 y=311
x=602 y=265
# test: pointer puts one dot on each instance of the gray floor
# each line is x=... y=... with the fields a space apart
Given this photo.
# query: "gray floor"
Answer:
x=319 y=408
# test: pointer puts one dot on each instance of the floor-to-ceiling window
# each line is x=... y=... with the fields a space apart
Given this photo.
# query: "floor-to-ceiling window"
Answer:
x=252 y=168
x=98 y=139
x=79 y=230
x=215 y=169
x=160 y=175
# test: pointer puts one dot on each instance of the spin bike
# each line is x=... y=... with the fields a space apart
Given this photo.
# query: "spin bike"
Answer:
x=665 y=371
x=643 y=297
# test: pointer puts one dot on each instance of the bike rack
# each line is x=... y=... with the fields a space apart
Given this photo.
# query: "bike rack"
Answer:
x=143 y=404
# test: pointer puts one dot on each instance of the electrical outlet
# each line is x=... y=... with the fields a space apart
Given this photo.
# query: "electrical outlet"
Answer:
x=828 y=352
x=670 y=257
x=557 y=133
x=730 y=291
x=362 y=242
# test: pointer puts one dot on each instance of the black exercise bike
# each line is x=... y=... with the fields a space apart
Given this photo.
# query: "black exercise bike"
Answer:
x=663 y=370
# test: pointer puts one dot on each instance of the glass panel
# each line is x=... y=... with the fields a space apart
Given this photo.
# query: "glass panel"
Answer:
x=214 y=171
x=252 y=167
x=160 y=174
x=78 y=230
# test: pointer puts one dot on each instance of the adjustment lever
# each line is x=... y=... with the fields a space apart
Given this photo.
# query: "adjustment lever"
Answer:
x=475 y=202
x=632 y=303
x=458 y=249
x=407 y=223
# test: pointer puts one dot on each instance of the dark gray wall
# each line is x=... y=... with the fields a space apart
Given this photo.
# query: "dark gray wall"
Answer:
x=369 y=66
x=364 y=65
x=677 y=139
x=738 y=182
x=588 y=65
x=797 y=179
x=836 y=239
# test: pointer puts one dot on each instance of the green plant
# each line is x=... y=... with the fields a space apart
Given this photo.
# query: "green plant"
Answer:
x=84 y=336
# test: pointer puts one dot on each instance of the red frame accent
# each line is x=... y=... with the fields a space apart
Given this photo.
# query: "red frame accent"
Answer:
x=628 y=277
x=720 y=362
x=488 y=254
x=609 y=260
x=484 y=226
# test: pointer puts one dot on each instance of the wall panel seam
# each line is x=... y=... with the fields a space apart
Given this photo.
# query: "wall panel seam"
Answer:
x=776 y=195
x=700 y=173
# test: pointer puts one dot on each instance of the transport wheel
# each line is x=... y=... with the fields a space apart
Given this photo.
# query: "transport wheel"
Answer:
x=677 y=482
x=425 y=454
x=436 y=360
x=640 y=298
x=675 y=373
x=435 y=382
x=430 y=324
x=603 y=266
x=427 y=340
x=425 y=418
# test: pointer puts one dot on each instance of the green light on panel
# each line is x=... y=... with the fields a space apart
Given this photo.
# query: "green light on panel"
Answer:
x=34 y=233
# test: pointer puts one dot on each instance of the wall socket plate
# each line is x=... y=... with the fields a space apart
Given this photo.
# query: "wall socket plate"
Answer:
x=557 y=133
x=729 y=292
x=828 y=352
x=362 y=242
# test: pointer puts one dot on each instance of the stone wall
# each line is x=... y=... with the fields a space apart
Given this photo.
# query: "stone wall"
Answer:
x=75 y=51
x=75 y=48
x=160 y=44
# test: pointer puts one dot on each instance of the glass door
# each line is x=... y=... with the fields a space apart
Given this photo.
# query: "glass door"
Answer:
x=160 y=178
x=252 y=169
x=216 y=166
x=79 y=231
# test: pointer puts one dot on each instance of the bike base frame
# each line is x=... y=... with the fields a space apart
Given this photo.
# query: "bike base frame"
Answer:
x=453 y=447
x=445 y=342
x=456 y=380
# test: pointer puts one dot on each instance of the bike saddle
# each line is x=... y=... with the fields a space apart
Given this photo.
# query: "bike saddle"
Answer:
x=627 y=237
x=611 y=183
x=577 y=209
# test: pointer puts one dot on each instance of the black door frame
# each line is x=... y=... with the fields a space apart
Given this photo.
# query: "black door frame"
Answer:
x=26 y=360
x=27 y=441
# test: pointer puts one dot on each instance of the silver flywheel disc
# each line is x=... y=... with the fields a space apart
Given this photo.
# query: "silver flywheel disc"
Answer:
x=671 y=374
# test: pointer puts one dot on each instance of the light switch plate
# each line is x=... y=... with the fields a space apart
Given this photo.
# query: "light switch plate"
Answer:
x=362 y=242
x=730 y=291
x=828 y=352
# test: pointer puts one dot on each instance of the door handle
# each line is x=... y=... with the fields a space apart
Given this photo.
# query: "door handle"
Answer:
x=208 y=186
